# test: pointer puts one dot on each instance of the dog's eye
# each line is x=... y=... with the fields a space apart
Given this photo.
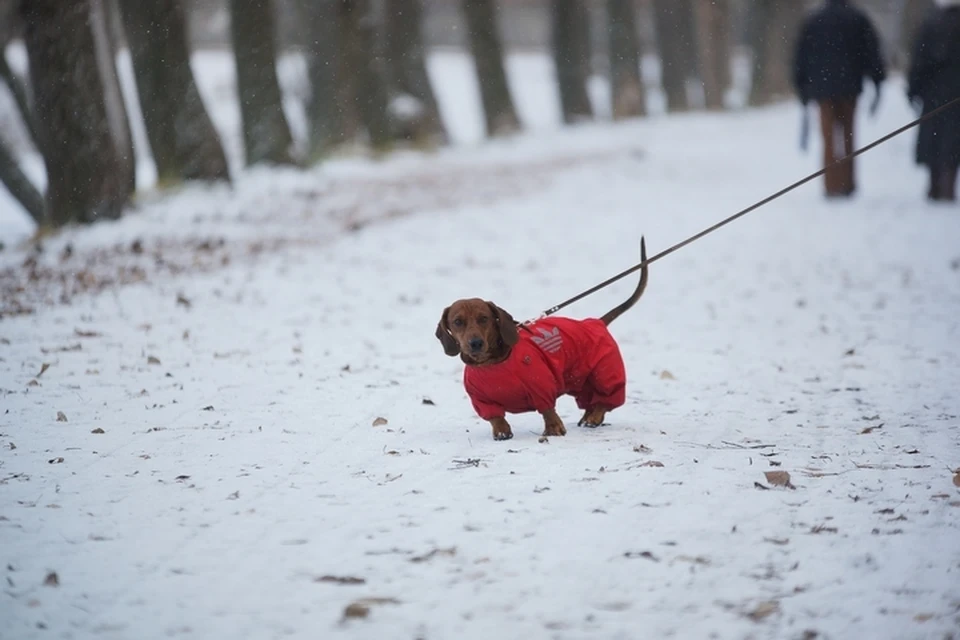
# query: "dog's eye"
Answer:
x=458 y=322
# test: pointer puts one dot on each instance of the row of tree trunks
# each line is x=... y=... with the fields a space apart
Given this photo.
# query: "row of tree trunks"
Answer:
x=182 y=137
x=714 y=44
x=362 y=61
x=773 y=26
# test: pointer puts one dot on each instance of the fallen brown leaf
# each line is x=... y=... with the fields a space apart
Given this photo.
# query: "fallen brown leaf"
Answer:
x=57 y=460
x=651 y=463
x=379 y=422
x=340 y=579
x=52 y=580
x=956 y=478
x=777 y=541
x=98 y=430
x=666 y=375
x=61 y=416
x=183 y=301
x=779 y=479
x=43 y=367
x=641 y=554
x=361 y=608
x=153 y=360
x=871 y=429
x=642 y=448
x=757 y=485
x=428 y=401
x=450 y=551
x=234 y=496
x=80 y=333
x=764 y=610
x=923 y=617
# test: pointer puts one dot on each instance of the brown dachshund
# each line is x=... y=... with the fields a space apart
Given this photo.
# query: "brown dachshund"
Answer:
x=513 y=368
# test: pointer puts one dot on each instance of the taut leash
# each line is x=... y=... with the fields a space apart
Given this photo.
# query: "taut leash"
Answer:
x=753 y=207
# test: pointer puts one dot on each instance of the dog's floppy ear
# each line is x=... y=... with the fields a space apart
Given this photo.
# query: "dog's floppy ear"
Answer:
x=508 y=326
x=450 y=345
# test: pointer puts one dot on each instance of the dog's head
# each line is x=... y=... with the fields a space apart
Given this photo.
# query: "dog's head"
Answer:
x=478 y=331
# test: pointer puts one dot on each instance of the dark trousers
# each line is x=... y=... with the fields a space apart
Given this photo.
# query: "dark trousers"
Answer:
x=836 y=125
x=943 y=183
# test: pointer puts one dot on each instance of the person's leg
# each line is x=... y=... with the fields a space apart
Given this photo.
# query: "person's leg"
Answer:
x=846 y=116
x=933 y=193
x=948 y=184
x=828 y=125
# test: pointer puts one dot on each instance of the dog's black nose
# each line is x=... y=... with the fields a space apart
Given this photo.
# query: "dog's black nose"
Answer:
x=476 y=344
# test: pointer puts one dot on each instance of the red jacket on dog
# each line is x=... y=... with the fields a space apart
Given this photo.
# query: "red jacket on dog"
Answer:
x=555 y=356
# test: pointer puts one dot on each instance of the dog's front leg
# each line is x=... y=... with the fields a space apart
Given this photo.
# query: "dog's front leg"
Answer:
x=552 y=424
x=501 y=429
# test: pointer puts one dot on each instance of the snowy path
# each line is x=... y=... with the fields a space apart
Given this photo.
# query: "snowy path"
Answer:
x=238 y=465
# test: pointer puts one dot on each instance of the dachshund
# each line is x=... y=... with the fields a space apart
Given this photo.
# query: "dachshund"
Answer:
x=516 y=368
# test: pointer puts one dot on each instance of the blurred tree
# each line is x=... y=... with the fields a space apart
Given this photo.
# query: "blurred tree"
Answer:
x=21 y=94
x=266 y=134
x=714 y=43
x=85 y=179
x=19 y=186
x=914 y=11
x=331 y=109
x=361 y=61
x=774 y=25
x=571 y=57
x=106 y=47
x=676 y=41
x=408 y=72
x=628 y=96
x=184 y=143
x=498 y=109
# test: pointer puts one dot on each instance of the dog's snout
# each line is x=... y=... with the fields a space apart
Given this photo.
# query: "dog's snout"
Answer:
x=476 y=344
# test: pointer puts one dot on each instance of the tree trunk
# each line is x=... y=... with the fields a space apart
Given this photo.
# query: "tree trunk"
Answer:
x=481 y=19
x=714 y=43
x=677 y=45
x=408 y=71
x=570 y=57
x=362 y=62
x=628 y=97
x=19 y=185
x=20 y=91
x=332 y=108
x=183 y=140
x=266 y=134
x=106 y=47
x=774 y=26
x=914 y=11
x=85 y=179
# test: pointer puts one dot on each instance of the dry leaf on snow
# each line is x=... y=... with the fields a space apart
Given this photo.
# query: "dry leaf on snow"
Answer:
x=779 y=479
x=80 y=333
x=666 y=375
x=651 y=463
x=61 y=416
x=52 y=580
x=43 y=367
x=340 y=579
x=153 y=360
x=98 y=430
x=763 y=610
x=956 y=478
x=379 y=422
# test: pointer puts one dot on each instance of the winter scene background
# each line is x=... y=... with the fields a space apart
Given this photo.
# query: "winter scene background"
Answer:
x=223 y=410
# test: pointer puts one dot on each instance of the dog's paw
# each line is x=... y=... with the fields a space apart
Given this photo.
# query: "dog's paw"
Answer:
x=555 y=430
x=592 y=418
x=503 y=435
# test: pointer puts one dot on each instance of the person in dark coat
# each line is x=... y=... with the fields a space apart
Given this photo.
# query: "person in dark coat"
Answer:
x=934 y=80
x=837 y=47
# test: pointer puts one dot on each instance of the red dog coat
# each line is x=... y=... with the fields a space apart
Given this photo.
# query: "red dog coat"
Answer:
x=554 y=356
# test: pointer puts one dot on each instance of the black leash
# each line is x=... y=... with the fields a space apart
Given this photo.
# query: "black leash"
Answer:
x=753 y=207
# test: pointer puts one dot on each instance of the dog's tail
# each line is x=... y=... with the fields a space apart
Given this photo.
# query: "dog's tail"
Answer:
x=618 y=310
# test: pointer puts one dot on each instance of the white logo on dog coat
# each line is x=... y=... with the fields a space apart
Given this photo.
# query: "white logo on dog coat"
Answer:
x=551 y=342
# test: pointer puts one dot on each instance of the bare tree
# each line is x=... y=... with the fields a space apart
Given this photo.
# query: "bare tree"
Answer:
x=332 y=107
x=498 y=109
x=676 y=41
x=774 y=25
x=20 y=91
x=362 y=62
x=266 y=133
x=182 y=137
x=628 y=94
x=714 y=42
x=571 y=53
x=106 y=47
x=85 y=180
x=408 y=70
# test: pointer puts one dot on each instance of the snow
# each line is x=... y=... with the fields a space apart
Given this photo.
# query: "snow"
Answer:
x=243 y=467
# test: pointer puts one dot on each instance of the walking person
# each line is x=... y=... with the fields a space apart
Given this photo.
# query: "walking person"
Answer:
x=934 y=80
x=836 y=49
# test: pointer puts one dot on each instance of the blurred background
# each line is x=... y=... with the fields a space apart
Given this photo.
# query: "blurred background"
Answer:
x=293 y=82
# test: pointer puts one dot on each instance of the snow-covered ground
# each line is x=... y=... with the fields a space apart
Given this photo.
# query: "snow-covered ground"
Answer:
x=198 y=453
